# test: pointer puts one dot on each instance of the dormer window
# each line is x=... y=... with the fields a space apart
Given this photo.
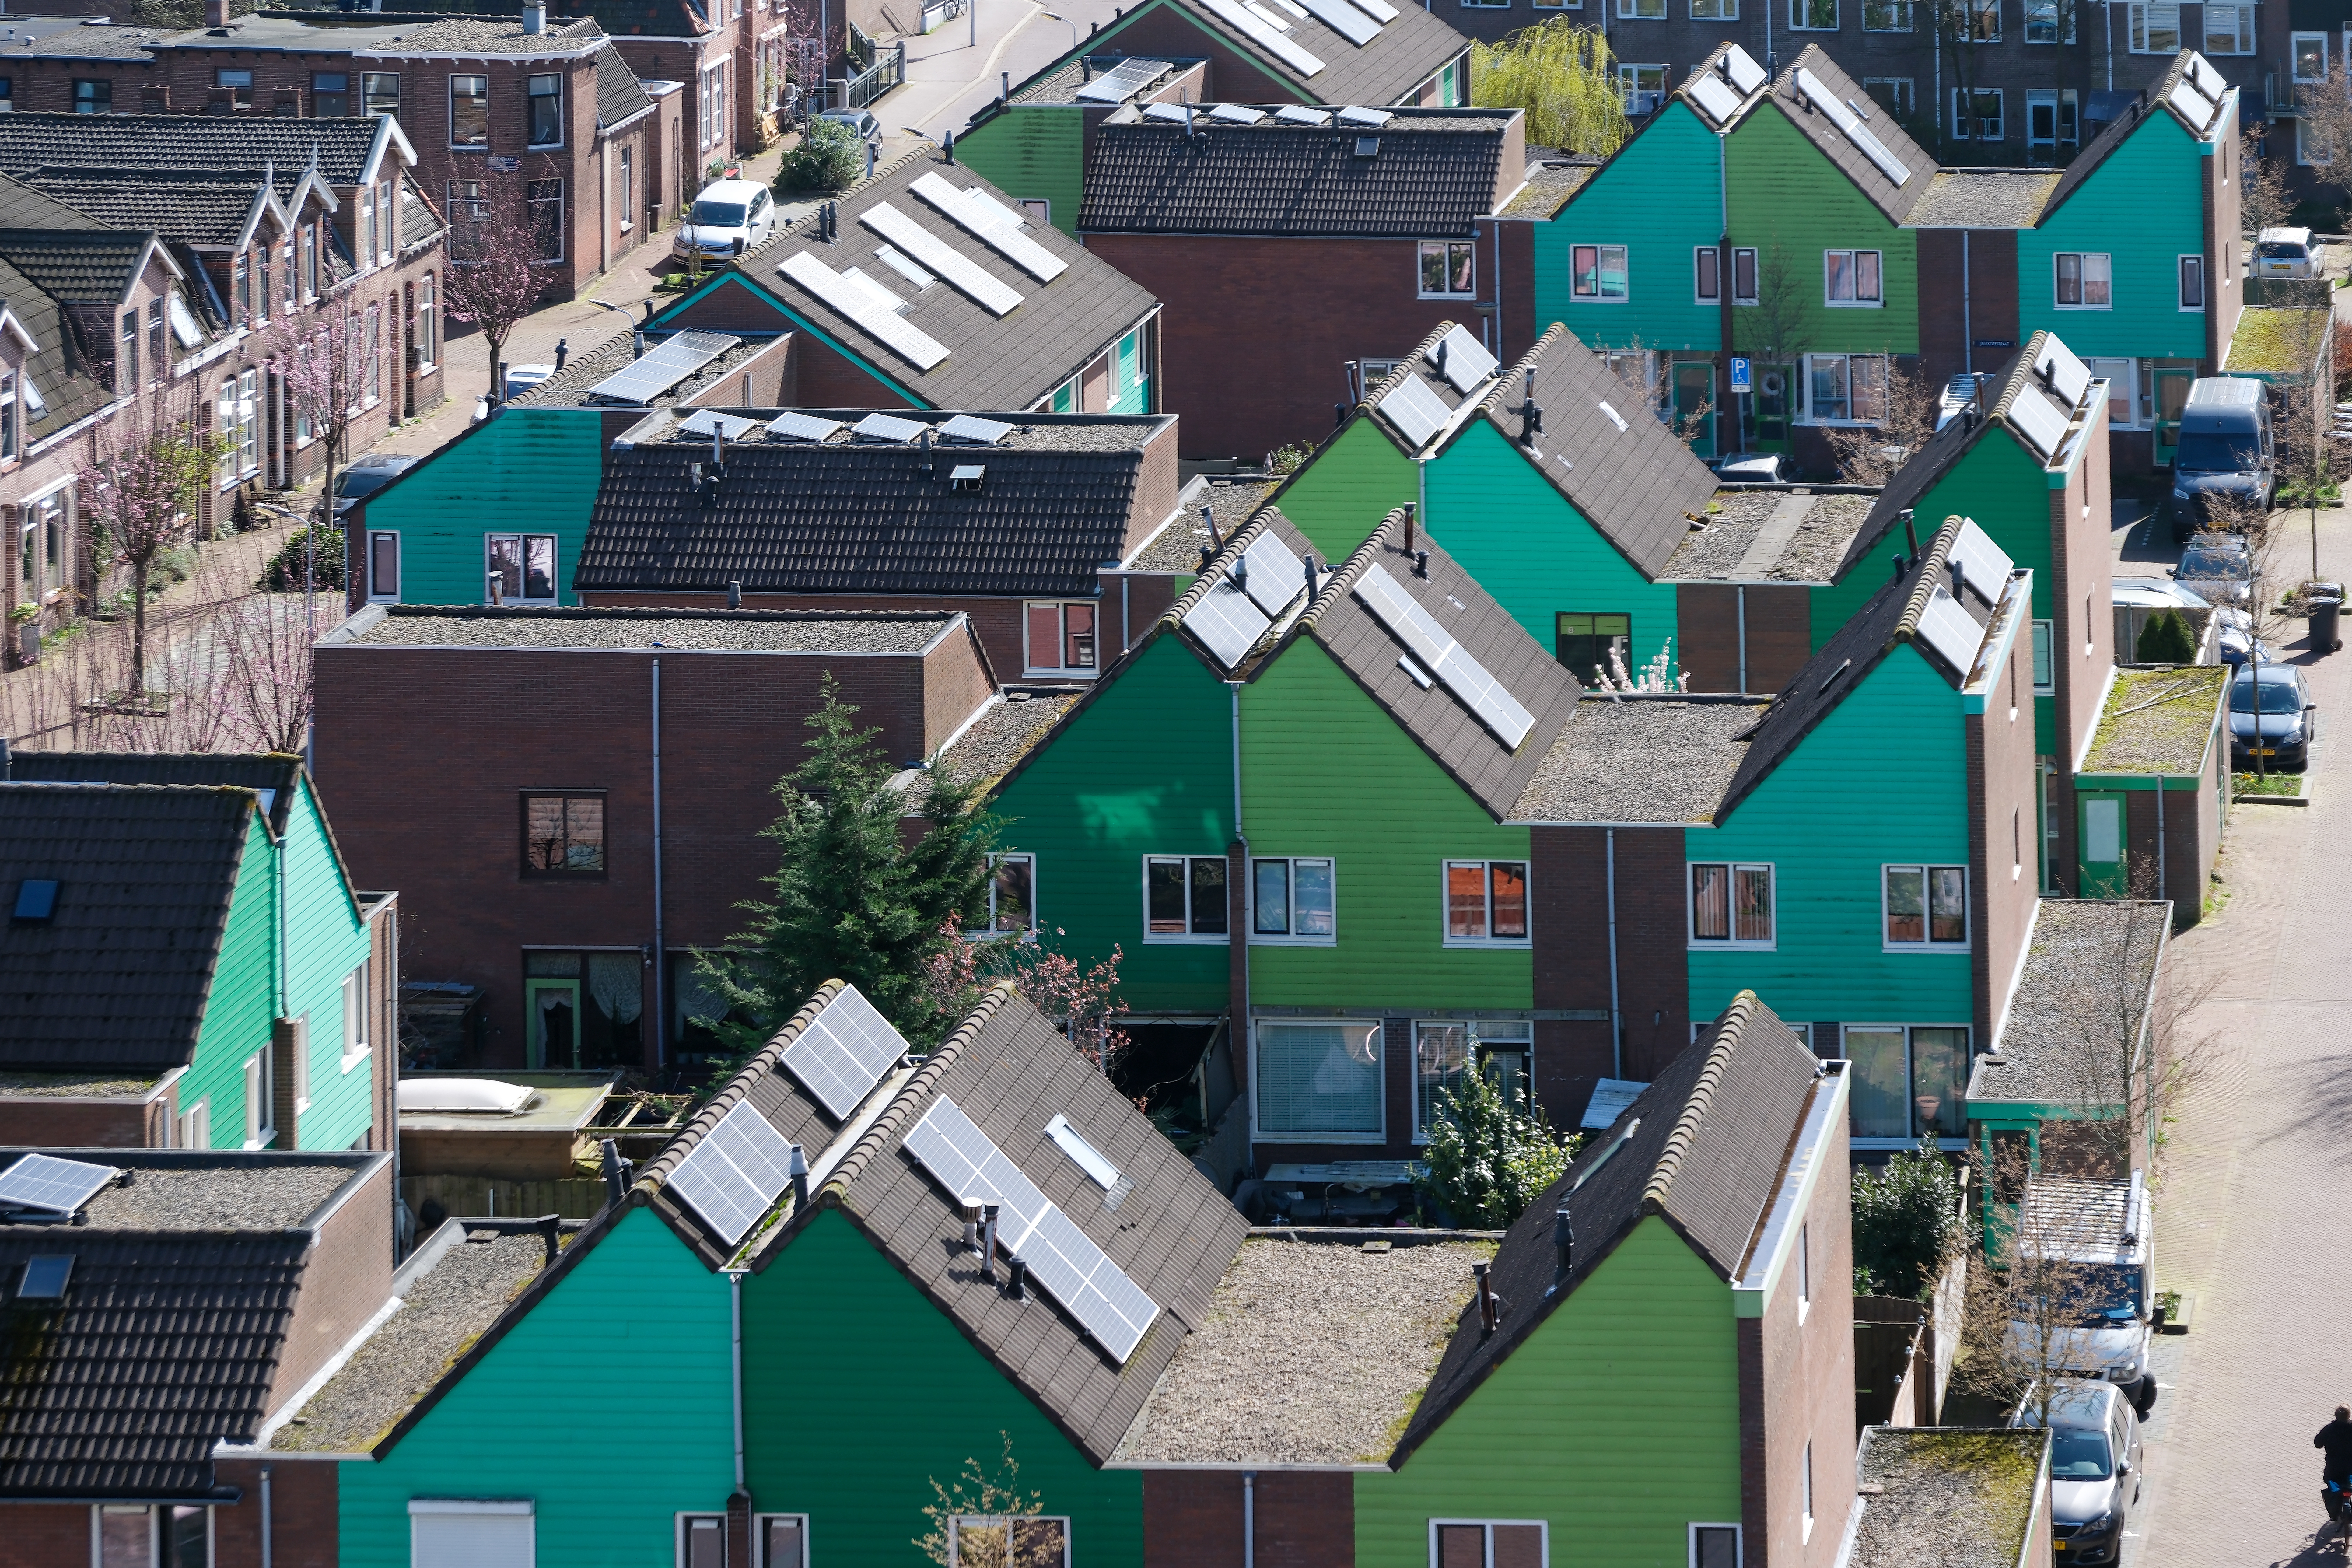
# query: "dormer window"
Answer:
x=159 y=356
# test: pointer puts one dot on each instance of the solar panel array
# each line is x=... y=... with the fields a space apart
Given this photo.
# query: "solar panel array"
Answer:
x=992 y=224
x=887 y=427
x=974 y=430
x=1122 y=82
x=1845 y=120
x=1476 y=687
x=1464 y=359
x=1237 y=114
x=1275 y=575
x=2069 y=376
x=1226 y=623
x=847 y=296
x=2041 y=421
x=1063 y=1260
x=843 y=1052
x=1745 y=74
x=1719 y=102
x=663 y=367
x=1344 y=19
x=1353 y=115
x=1299 y=114
x=1949 y=631
x=967 y=276
x=735 y=1173
x=1247 y=23
x=801 y=427
x=1982 y=561
x=1473 y=685
x=710 y=421
x=1415 y=411
x=55 y=1186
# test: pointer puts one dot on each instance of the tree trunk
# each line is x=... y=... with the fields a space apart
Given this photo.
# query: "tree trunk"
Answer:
x=138 y=629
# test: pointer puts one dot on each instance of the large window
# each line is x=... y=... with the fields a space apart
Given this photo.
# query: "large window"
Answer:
x=380 y=93
x=1486 y=902
x=546 y=95
x=2155 y=29
x=1845 y=389
x=1730 y=905
x=1449 y=269
x=1443 y=1050
x=1926 y=906
x=1643 y=87
x=1025 y=1540
x=470 y=111
x=2229 y=29
x=2052 y=118
x=2085 y=280
x=1184 y=898
x=1586 y=642
x=461 y=1533
x=2307 y=52
x=1895 y=94
x=584 y=1009
x=171 y=1536
x=1597 y=273
x=1907 y=1082
x=330 y=94
x=1319 y=1082
x=1977 y=114
x=521 y=568
x=237 y=416
x=1011 y=894
x=563 y=833
x=1061 y=640
x=1814 y=16
x=94 y=97
x=1481 y=1543
x=1291 y=898
x=1853 y=278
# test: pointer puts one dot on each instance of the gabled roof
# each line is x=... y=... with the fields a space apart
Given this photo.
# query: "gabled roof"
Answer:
x=1055 y=502
x=78 y=266
x=275 y=775
x=243 y=146
x=1724 y=88
x=1833 y=112
x=636 y=19
x=1393 y=398
x=1407 y=49
x=61 y=368
x=22 y=207
x=2192 y=91
x=960 y=353
x=619 y=97
x=120 y=973
x=1431 y=173
x=1705 y=1147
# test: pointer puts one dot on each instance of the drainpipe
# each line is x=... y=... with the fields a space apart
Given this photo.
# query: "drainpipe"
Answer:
x=661 y=952
x=1968 y=327
x=1616 y=1019
x=1249 y=1519
x=735 y=1310
x=1742 y=592
x=1237 y=928
x=2161 y=880
x=265 y=1516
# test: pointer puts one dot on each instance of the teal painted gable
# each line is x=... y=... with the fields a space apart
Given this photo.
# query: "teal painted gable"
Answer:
x=860 y=1394
x=1661 y=198
x=244 y=997
x=326 y=941
x=2117 y=212
x=886 y=390
x=1505 y=525
x=529 y=470
x=1827 y=832
x=610 y=1405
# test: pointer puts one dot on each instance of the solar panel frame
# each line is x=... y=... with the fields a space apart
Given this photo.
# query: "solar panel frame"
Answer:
x=1356 y=115
x=2193 y=106
x=790 y=427
x=1395 y=609
x=703 y=421
x=735 y=1173
x=910 y=343
x=975 y=431
x=2038 y=419
x=1237 y=114
x=664 y=366
x=887 y=428
x=53 y=1186
x=1951 y=631
x=845 y=1051
x=1345 y=20
x=2068 y=374
x=1174 y=113
x=1463 y=360
x=1122 y=82
x=1282 y=48
x=1745 y=74
x=966 y=276
x=1378 y=10
x=1225 y=623
x=1845 y=119
x=1486 y=697
x=1275 y=575
x=1415 y=411
x=1714 y=97
x=1300 y=114
x=2209 y=81
x=1982 y=561
x=992 y=224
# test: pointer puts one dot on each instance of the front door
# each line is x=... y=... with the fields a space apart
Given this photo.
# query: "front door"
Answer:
x=2100 y=853
x=1775 y=399
x=551 y=1009
x=1695 y=404
x=2172 y=385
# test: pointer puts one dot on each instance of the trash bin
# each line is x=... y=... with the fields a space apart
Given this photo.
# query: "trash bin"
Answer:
x=2326 y=602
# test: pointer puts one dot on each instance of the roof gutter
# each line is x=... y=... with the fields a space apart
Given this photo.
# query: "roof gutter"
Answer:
x=1777 y=1241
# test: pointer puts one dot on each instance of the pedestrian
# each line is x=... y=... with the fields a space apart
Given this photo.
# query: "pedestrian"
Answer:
x=2334 y=1443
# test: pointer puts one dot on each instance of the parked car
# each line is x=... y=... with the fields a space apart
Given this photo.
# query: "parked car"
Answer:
x=1753 y=469
x=728 y=217
x=2095 y=1464
x=2225 y=449
x=521 y=378
x=2217 y=567
x=2104 y=1231
x=860 y=122
x=2285 y=253
x=2273 y=716
x=368 y=475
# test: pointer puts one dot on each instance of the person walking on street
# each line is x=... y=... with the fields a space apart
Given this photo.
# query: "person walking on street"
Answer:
x=2334 y=1443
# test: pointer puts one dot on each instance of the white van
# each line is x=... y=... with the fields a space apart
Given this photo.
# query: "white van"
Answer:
x=2106 y=1232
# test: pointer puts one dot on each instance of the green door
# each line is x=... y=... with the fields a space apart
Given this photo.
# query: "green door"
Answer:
x=552 y=1015
x=1695 y=403
x=2171 y=397
x=2101 y=843
x=1775 y=401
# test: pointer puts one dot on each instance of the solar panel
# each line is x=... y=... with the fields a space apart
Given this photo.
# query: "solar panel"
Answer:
x=1845 y=120
x=2209 y=81
x=979 y=432
x=2193 y=105
x=1470 y=681
x=1719 y=102
x=1345 y=20
x=53 y=1186
x=801 y=427
x=967 y=276
x=843 y=1052
x=1485 y=695
x=2070 y=376
x=877 y=296
x=1949 y=631
x=1414 y=410
x=1414 y=626
x=1379 y=10
x=1275 y=575
x=1226 y=623
x=1273 y=42
x=1464 y=359
x=1122 y=82
x=910 y=343
x=1299 y=114
x=704 y=421
x=1280 y=24
x=1982 y=561
x=1353 y=115
x=992 y=224
x=1063 y=1259
x=663 y=367
x=1236 y=114
x=735 y=1171
x=1175 y=113
x=2039 y=420
x=1745 y=74
x=887 y=427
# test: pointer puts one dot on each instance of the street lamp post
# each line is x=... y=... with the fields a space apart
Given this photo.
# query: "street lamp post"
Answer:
x=1073 y=26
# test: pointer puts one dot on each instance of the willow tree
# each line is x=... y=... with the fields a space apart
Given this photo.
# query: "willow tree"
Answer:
x=1563 y=76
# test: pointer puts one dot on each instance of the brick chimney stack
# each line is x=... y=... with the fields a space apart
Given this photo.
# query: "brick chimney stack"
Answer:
x=215 y=13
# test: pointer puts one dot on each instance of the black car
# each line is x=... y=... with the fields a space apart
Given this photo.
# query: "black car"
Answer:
x=367 y=476
x=2272 y=716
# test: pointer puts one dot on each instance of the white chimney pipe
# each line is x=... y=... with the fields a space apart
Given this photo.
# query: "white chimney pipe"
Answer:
x=534 y=16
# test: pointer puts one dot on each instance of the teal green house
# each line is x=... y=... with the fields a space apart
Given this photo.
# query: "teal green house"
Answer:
x=186 y=963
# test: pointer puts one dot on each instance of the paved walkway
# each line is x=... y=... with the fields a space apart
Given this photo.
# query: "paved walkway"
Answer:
x=2261 y=1172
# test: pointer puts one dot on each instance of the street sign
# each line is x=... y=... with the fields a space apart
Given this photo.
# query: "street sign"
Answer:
x=1742 y=376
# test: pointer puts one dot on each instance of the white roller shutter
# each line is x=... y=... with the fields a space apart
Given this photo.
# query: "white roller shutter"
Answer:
x=465 y=1534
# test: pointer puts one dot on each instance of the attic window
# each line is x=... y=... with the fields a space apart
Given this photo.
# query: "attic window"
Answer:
x=44 y=1277
x=1368 y=146
x=184 y=323
x=36 y=898
x=967 y=477
x=1090 y=1160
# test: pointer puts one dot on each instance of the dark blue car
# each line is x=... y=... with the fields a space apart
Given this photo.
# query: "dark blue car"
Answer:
x=2272 y=718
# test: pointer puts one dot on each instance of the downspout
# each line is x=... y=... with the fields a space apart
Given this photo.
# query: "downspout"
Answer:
x=1940 y=80
x=1616 y=1019
x=285 y=958
x=1741 y=591
x=1249 y=1519
x=265 y=1516
x=735 y=1311
x=661 y=949
x=1126 y=620
x=2162 y=881
x=1968 y=327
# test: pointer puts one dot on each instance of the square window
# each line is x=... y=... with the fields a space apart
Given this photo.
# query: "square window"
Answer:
x=2084 y=280
x=330 y=94
x=521 y=568
x=1845 y=389
x=2052 y=118
x=240 y=84
x=2155 y=29
x=564 y=834
x=1730 y=905
x=1907 y=1082
x=2229 y=29
x=1448 y=268
x=1292 y=897
x=1926 y=906
x=1061 y=640
x=1893 y=93
x=1597 y=272
x=1184 y=898
x=1589 y=644
x=1441 y=1055
x=1319 y=1082
x=1715 y=1546
x=1643 y=87
x=1473 y=1543
x=1977 y=115
x=380 y=93
x=1886 y=16
x=1485 y=901
x=94 y=97
x=1012 y=893
x=1852 y=277
x=1028 y=1541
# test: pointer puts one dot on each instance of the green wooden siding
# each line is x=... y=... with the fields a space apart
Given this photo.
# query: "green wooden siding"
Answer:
x=1032 y=152
x=1104 y=44
x=529 y=470
x=1827 y=836
x=1617 y=1421
x=1789 y=201
x=326 y=940
x=1145 y=769
x=2118 y=211
x=243 y=998
x=610 y=1406
x=854 y=1440
x=1337 y=498
x=1325 y=771
x=1535 y=553
x=1661 y=198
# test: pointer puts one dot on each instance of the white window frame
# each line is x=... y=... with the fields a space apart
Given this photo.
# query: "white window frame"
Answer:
x=2045 y=658
x=428 y=324
x=157 y=1523
x=1897 y=12
x=1061 y=1518
x=195 y=1128
x=2243 y=33
x=1029 y=662
x=684 y=1521
x=1927 y=943
x=1807 y=1532
x=1489 y=1524
x=432 y=1508
x=2138 y=29
x=1799 y=9
x=2083 y=259
x=1521 y=1032
x=1629 y=83
x=1968 y=125
x=1700 y=255
x=377 y=594
x=355 y=1014
x=2057 y=100
x=1486 y=876
x=260 y=1084
x=298 y=1051
x=1598 y=294
x=1187 y=937
x=1755 y=275
x=1642 y=10
x=1805 y=369
x=2127 y=381
x=1447 y=248
x=992 y=931
x=1853 y=271
x=1738 y=1541
x=760 y=1523
x=1804 y=1270
x=2304 y=157
x=1723 y=11
x=1697 y=943
x=1903 y=91
x=1257 y=1080
x=484 y=144
x=2294 y=47
x=531 y=85
x=2060 y=22
x=1290 y=864
x=2181 y=266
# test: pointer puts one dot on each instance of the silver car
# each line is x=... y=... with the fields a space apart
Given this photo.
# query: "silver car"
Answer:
x=2094 y=1462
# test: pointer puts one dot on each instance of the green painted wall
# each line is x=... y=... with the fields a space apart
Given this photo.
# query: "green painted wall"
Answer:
x=1827 y=836
x=326 y=940
x=1786 y=198
x=244 y=997
x=1033 y=151
x=855 y=1440
x=1661 y=198
x=1618 y=1422
x=1145 y=769
x=529 y=470
x=1340 y=497
x=1325 y=771
x=1523 y=542
x=611 y=1406
x=2118 y=211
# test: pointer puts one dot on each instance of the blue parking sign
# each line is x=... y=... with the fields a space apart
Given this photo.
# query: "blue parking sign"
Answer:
x=1740 y=374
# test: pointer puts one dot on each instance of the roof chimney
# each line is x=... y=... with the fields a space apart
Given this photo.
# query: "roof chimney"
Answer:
x=796 y=1167
x=1490 y=1306
x=1563 y=1242
x=1960 y=578
x=563 y=353
x=215 y=13
x=534 y=17
x=1216 y=540
x=5 y=761
x=735 y=593
x=1530 y=411
x=1016 y=1279
x=1338 y=415
x=549 y=1227
x=1311 y=572
x=1910 y=534
x=971 y=1212
x=616 y=1170
x=988 y=1241
x=946 y=148
x=1407 y=527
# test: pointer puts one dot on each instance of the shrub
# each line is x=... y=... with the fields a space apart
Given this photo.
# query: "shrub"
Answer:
x=1905 y=1221
x=1487 y=1161
x=2166 y=640
x=283 y=574
x=829 y=159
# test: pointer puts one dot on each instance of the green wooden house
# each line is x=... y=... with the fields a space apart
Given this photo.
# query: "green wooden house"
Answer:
x=188 y=962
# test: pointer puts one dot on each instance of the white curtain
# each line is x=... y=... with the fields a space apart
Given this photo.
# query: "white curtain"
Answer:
x=616 y=981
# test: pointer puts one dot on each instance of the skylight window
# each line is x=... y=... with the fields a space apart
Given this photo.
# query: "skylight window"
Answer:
x=44 y=1277
x=36 y=898
x=1090 y=1159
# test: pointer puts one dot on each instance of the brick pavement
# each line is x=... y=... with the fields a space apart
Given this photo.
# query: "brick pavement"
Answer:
x=2261 y=1169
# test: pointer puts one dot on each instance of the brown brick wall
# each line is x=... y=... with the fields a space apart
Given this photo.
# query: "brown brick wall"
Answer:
x=1776 y=621
x=2081 y=566
x=84 y=1124
x=304 y=1521
x=757 y=382
x=997 y=621
x=1156 y=486
x=2188 y=847
x=730 y=307
x=2002 y=845
x=1134 y=603
x=1707 y=626
x=47 y=1535
x=955 y=683
x=1191 y=1519
x=1569 y=884
x=346 y=1282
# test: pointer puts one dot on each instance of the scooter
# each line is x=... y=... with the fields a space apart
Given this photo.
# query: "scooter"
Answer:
x=2337 y=1498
